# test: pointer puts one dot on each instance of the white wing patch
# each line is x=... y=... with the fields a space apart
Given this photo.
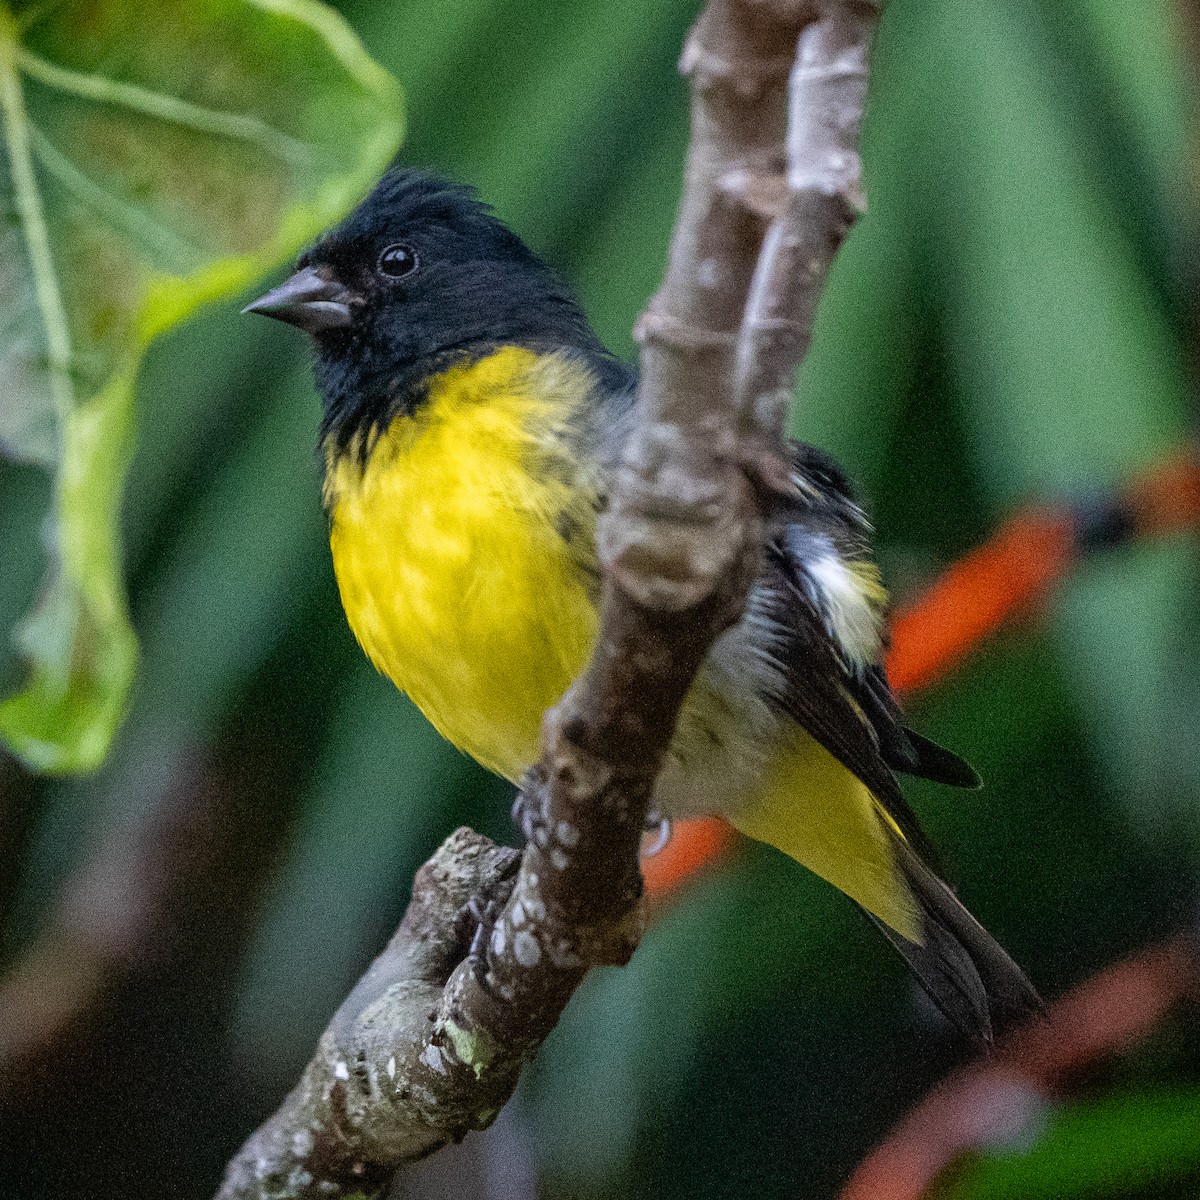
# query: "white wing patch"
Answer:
x=851 y=614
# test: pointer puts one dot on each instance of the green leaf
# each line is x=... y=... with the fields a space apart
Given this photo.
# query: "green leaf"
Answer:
x=1116 y=1147
x=157 y=156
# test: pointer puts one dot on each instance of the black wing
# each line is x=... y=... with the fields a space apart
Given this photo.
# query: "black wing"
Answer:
x=827 y=698
x=828 y=521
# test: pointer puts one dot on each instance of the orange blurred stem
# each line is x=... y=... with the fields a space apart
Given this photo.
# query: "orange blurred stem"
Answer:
x=1019 y=565
x=694 y=844
x=1166 y=499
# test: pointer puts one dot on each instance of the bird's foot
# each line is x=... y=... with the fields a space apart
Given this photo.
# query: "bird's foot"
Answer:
x=527 y=817
x=476 y=920
x=656 y=833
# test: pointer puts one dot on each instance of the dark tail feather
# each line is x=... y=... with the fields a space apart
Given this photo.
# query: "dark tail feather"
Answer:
x=902 y=748
x=939 y=764
x=963 y=968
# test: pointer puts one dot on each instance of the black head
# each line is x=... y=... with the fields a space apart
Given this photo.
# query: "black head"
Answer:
x=420 y=276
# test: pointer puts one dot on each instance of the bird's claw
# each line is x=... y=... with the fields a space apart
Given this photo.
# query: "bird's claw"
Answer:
x=527 y=818
x=656 y=833
x=478 y=917
x=485 y=918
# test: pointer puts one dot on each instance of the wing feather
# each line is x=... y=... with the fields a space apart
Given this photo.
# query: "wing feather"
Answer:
x=837 y=690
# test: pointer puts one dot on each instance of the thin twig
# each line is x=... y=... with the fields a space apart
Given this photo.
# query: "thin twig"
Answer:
x=823 y=197
x=423 y=1051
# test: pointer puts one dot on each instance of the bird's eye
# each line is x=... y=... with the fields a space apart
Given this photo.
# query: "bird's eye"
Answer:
x=398 y=261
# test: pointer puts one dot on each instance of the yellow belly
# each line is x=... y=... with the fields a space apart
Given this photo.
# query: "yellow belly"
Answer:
x=452 y=570
x=459 y=583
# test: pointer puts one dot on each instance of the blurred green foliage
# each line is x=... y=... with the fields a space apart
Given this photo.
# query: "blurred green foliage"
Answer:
x=1010 y=321
x=1138 y=1145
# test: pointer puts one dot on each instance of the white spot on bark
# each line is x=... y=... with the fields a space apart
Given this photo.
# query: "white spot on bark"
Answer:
x=526 y=948
x=498 y=940
x=567 y=834
x=518 y=914
x=303 y=1143
x=391 y=1067
x=564 y=955
x=341 y=1071
x=558 y=859
x=431 y=1056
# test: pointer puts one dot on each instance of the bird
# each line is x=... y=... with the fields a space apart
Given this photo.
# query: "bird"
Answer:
x=472 y=425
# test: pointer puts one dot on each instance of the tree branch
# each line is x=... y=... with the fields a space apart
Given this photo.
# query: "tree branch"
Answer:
x=379 y=1091
x=414 y=1059
x=823 y=197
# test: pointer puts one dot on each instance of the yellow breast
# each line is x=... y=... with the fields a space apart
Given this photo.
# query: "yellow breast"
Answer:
x=457 y=575
x=450 y=555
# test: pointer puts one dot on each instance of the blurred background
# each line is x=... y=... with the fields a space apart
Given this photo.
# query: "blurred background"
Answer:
x=1013 y=322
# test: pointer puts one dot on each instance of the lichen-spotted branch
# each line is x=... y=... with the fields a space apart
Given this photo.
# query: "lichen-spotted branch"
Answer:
x=432 y=1041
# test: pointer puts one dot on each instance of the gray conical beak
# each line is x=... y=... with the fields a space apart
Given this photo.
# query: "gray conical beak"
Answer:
x=307 y=301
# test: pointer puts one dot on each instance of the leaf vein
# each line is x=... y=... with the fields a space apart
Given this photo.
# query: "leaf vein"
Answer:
x=33 y=225
x=154 y=239
x=99 y=88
